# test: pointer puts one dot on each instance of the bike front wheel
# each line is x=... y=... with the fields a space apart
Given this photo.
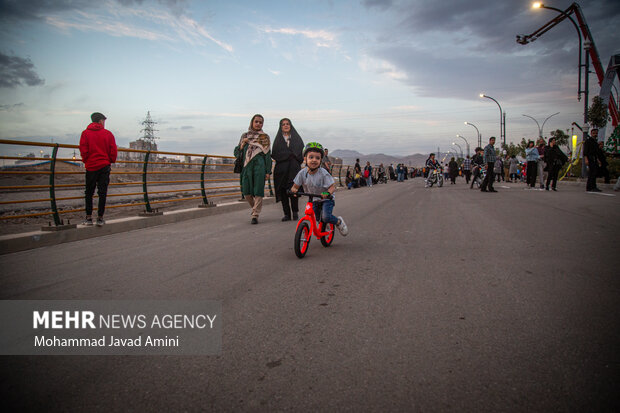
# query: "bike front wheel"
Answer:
x=302 y=239
x=327 y=240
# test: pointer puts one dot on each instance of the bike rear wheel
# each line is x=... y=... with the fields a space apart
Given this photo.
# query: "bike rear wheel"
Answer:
x=302 y=239
x=327 y=240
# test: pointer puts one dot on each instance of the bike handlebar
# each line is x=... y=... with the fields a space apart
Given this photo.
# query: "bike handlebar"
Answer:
x=299 y=193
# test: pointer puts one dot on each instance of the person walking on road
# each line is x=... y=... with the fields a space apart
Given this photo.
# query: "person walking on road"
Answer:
x=98 y=151
x=327 y=162
x=287 y=152
x=532 y=156
x=541 y=162
x=400 y=172
x=498 y=169
x=489 y=160
x=453 y=170
x=555 y=158
x=591 y=159
x=513 y=169
x=254 y=147
x=467 y=168
x=368 y=174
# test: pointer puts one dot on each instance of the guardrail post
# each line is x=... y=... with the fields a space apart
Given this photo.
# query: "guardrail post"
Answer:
x=205 y=201
x=58 y=223
x=149 y=211
x=56 y=216
x=144 y=189
x=202 y=181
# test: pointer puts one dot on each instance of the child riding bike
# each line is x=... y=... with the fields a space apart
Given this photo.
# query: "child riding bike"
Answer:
x=317 y=180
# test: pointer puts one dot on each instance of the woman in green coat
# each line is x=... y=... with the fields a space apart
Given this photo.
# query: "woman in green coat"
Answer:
x=254 y=147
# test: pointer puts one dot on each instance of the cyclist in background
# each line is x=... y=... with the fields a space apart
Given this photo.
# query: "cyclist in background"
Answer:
x=431 y=164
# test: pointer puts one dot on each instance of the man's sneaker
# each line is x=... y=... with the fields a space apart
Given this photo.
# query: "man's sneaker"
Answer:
x=100 y=221
x=342 y=227
x=88 y=222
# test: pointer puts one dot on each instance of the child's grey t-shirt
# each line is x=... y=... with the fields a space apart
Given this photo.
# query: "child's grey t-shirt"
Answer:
x=314 y=183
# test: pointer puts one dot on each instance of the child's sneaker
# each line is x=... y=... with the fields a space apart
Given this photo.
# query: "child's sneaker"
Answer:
x=100 y=221
x=342 y=227
x=88 y=222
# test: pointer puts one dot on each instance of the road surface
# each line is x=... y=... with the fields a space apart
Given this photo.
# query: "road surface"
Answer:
x=441 y=299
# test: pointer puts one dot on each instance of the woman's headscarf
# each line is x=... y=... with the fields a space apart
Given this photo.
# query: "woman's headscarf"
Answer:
x=258 y=141
x=281 y=152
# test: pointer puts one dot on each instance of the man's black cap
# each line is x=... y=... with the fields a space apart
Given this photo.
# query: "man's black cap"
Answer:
x=96 y=117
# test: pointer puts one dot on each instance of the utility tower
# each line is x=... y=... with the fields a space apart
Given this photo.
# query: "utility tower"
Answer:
x=149 y=133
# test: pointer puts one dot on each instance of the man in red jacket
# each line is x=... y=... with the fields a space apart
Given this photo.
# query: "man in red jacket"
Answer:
x=98 y=150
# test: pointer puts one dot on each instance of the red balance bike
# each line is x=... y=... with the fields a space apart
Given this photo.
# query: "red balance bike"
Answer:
x=307 y=226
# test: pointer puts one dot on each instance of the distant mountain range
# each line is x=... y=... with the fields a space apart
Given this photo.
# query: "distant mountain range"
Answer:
x=348 y=158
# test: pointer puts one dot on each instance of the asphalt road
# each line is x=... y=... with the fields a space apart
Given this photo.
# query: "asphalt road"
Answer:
x=441 y=299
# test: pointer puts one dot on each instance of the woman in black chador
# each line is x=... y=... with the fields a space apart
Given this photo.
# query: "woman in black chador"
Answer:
x=287 y=152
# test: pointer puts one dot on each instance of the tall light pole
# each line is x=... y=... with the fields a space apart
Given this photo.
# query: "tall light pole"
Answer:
x=502 y=119
x=459 y=146
x=479 y=137
x=540 y=128
x=587 y=45
x=466 y=143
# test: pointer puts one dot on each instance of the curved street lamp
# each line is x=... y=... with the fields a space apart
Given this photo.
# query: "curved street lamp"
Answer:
x=502 y=117
x=539 y=5
x=459 y=146
x=479 y=137
x=540 y=128
x=466 y=143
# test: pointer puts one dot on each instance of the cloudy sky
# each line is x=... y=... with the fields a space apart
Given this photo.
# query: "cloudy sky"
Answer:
x=390 y=76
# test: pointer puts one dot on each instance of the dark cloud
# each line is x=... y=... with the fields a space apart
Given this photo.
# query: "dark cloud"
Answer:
x=380 y=4
x=9 y=108
x=35 y=9
x=16 y=71
x=187 y=127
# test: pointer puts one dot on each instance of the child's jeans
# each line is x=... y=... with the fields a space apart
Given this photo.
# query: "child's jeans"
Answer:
x=323 y=211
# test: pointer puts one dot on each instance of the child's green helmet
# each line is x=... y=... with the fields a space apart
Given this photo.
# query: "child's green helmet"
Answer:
x=314 y=147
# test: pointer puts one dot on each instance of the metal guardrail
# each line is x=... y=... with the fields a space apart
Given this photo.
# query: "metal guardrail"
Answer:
x=148 y=165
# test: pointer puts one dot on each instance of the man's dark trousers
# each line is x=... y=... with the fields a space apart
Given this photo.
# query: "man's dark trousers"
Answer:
x=487 y=184
x=592 y=172
x=99 y=178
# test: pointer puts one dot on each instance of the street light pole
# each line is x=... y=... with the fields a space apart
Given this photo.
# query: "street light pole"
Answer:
x=587 y=44
x=479 y=137
x=466 y=143
x=461 y=149
x=502 y=119
x=537 y=124
x=541 y=128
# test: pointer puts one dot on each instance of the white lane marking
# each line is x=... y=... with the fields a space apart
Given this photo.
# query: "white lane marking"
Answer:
x=599 y=193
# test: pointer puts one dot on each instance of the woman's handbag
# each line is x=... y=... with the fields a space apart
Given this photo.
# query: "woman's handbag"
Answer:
x=238 y=164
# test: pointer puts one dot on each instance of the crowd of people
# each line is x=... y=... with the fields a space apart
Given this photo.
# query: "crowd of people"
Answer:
x=540 y=169
x=254 y=156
